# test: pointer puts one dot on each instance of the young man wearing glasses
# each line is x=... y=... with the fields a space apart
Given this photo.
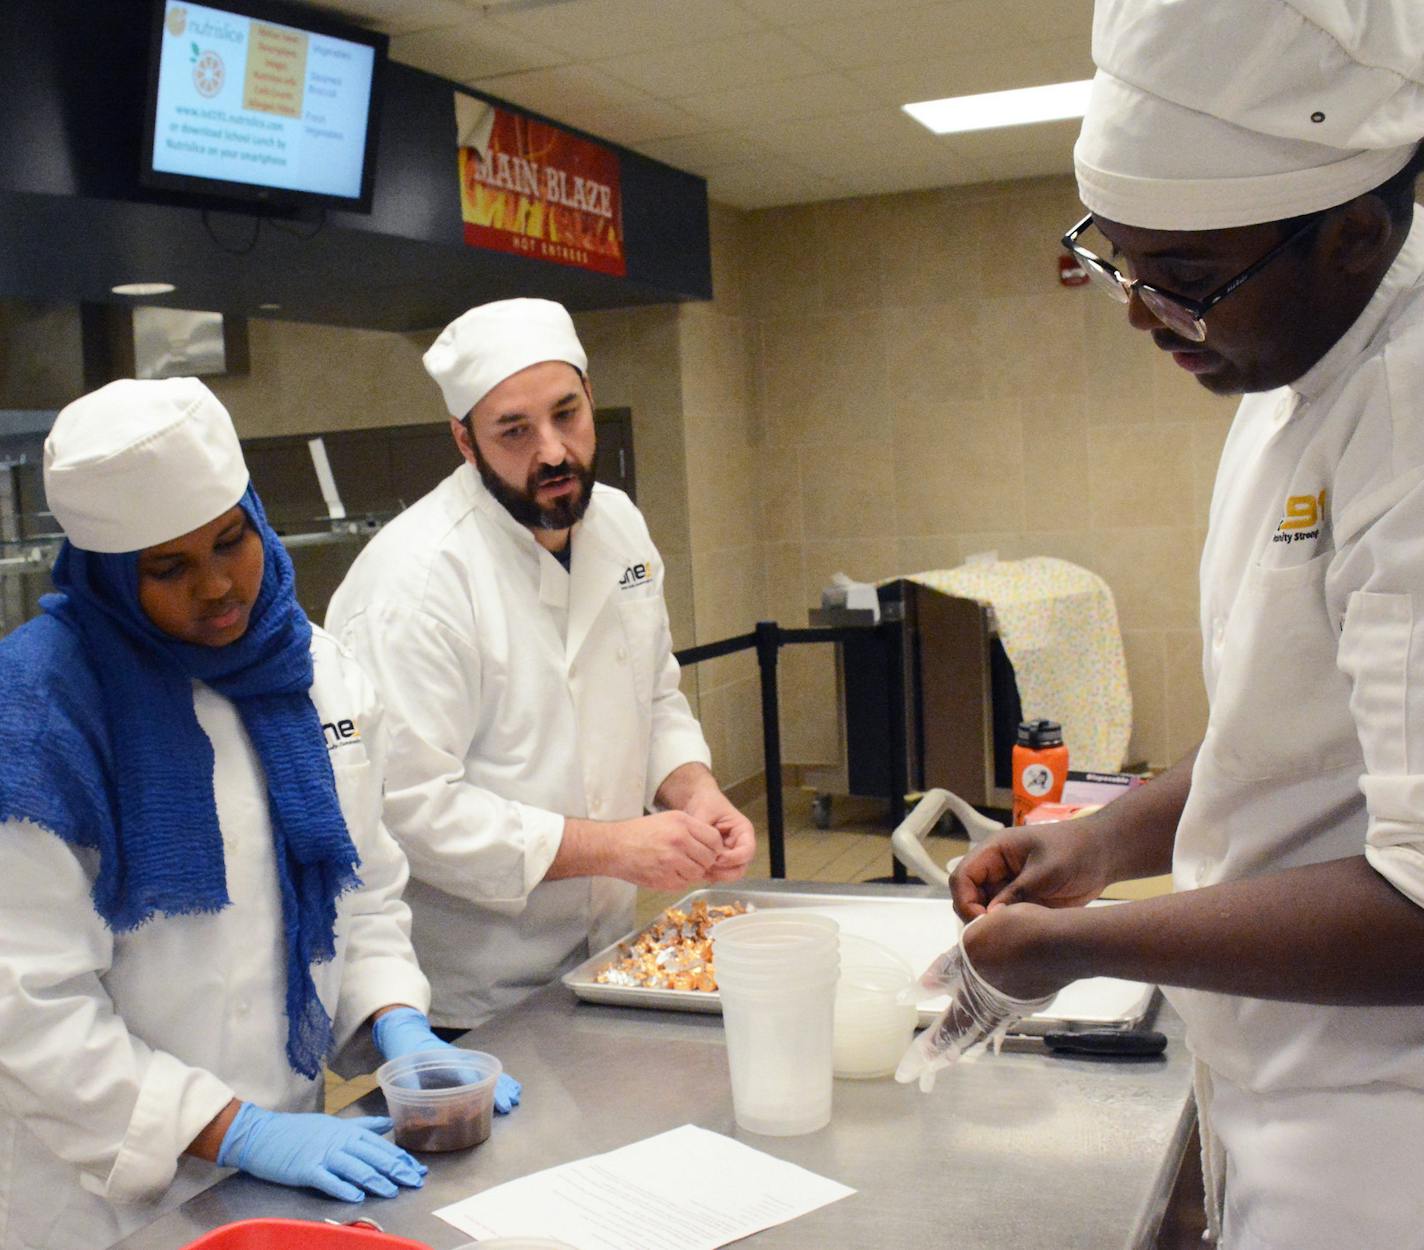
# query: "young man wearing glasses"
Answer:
x=1248 y=166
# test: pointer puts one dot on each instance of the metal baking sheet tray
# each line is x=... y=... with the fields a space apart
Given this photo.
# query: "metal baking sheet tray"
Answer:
x=917 y=929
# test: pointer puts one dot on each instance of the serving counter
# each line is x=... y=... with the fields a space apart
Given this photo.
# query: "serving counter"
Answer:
x=1021 y=1149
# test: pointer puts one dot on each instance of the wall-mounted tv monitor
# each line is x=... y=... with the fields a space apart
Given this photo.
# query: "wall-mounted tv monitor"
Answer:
x=251 y=102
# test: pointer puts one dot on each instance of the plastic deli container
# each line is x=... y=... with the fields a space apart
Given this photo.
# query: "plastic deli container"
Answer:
x=300 y=1235
x=440 y=1099
x=872 y=1029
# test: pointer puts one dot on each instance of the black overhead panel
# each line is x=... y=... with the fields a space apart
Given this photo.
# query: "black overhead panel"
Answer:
x=76 y=221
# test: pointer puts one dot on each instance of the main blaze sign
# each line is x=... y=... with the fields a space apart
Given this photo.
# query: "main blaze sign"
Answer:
x=530 y=188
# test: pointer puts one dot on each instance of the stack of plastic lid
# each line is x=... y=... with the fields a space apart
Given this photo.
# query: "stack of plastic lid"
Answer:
x=872 y=1029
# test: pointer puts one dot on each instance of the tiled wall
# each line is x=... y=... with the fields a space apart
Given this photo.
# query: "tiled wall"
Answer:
x=927 y=389
x=311 y=378
x=633 y=363
x=880 y=386
x=725 y=446
x=687 y=373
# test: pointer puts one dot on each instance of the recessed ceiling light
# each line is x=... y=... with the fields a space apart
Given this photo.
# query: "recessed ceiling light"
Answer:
x=268 y=307
x=143 y=288
x=992 y=109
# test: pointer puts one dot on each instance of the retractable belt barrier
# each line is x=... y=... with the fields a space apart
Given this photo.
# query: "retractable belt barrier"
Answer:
x=767 y=639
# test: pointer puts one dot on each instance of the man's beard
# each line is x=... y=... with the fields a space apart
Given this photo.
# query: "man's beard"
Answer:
x=524 y=506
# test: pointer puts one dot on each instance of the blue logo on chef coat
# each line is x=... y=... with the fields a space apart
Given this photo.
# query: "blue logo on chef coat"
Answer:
x=636 y=575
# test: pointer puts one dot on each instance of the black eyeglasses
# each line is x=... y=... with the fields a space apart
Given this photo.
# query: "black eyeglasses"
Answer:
x=1185 y=316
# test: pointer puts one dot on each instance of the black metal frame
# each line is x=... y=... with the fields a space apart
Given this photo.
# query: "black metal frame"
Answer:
x=768 y=639
x=1196 y=309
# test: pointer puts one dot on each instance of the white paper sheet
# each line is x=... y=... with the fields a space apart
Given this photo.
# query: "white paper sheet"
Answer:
x=688 y=1187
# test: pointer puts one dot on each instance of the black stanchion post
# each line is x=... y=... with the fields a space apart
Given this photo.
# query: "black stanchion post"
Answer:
x=893 y=639
x=768 y=644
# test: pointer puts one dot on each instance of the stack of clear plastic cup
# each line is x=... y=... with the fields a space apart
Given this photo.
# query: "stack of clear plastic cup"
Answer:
x=776 y=977
x=872 y=1028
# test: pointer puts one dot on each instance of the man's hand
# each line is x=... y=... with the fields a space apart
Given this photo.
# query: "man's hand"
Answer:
x=665 y=851
x=701 y=838
x=738 y=836
x=693 y=789
x=1055 y=865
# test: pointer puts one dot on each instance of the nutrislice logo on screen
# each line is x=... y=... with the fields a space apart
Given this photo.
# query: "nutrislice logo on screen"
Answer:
x=177 y=20
x=1304 y=515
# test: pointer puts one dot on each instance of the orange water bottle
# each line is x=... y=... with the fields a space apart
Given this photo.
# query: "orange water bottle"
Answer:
x=1040 y=766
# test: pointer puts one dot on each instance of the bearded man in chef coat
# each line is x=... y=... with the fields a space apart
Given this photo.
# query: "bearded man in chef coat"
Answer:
x=1248 y=167
x=513 y=621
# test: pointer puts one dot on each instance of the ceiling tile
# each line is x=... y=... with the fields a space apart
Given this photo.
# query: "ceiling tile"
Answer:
x=698 y=153
x=1048 y=140
x=581 y=96
x=764 y=184
x=395 y=17
x=589 y=30
x=714 y=65
x=1024 y=65
x=895 y=177
x=818 y=95
x=944 y=29
x=474 y=49
x=854 y=144
x=1035 y=17
x=1008 y=165
x=774 y=101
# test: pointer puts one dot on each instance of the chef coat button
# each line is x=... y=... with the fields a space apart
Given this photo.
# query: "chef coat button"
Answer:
x=241 y=1007
x=1218 y=630
x=622 y=654
x=1201 y=873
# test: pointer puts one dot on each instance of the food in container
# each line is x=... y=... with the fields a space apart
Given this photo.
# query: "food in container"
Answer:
x=440 y=1099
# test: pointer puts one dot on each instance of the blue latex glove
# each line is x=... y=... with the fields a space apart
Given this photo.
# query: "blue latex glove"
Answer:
x=343 y=1158
x=405 y=1031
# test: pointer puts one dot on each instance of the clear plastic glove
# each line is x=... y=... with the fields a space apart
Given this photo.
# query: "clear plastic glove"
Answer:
x=976 y=1011
x=406 y=1031
x=343 y=1158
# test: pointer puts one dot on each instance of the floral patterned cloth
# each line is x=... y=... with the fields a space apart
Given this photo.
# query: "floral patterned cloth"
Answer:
x=1058 y=624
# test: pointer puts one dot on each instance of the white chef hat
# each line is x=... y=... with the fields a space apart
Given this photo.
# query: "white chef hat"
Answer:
x=1206 y=114
x=482 y=347
x=137 y=463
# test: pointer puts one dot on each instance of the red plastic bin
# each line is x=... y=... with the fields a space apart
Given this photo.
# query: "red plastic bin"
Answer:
x=299 y=1235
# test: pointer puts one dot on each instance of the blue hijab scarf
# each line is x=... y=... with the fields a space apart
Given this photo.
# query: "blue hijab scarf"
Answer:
x=123 y=767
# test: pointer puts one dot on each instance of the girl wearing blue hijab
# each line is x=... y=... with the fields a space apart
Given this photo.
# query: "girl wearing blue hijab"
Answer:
x=198 y=905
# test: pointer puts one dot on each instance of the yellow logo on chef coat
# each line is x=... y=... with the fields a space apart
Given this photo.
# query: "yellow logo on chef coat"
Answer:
x=1303 y=517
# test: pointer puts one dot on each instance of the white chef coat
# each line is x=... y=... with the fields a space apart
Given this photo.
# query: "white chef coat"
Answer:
x=117 y=1049
x=518 y=693
x=1312 y=605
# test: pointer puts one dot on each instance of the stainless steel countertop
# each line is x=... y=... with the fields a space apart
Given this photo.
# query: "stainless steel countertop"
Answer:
x=1021 y=1149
